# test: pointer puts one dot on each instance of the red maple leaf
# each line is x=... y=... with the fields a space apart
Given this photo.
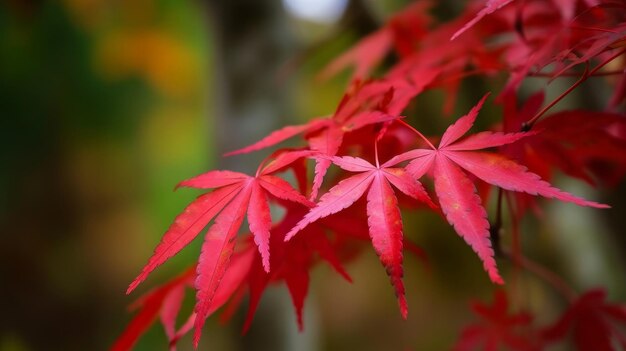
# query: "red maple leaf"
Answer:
x=497 y=328
x=165 y=302
x=236 y=194
x=383 y=213
x=456 y=192
x=592 y=322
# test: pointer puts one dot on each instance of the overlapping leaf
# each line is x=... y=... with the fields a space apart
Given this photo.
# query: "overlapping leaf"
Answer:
x=498 y=328
x=369 y=103
x=402 y=31
x=291 y=262
x=587 y=145
x=383 y=213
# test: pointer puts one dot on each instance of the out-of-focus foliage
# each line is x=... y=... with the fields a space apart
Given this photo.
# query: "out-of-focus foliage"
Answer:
x=105 y=105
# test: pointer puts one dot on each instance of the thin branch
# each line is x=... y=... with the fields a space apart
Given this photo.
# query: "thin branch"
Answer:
x=516 y=245
x=613 y=57
x=376 y=152
x=573 y=74
x=526 y=126
x=597 y=29
x=418 y=133
x=496 y=228
x=546 y=275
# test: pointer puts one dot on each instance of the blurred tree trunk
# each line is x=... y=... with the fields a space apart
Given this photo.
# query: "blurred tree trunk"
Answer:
x=253 y=42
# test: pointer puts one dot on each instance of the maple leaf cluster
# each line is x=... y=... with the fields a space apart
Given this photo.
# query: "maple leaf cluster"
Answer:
x=593 y=323
x=380 y=160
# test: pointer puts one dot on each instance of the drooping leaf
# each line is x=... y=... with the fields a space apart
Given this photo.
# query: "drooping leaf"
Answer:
x=298 y=284
x=217 y=249
x=383 y=213
x=385 y=228
x=291 y=262
x=464 y=211
x=260 y=222
x=457 y=194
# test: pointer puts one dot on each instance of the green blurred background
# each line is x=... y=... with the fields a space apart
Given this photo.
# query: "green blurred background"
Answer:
x=106 y=105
